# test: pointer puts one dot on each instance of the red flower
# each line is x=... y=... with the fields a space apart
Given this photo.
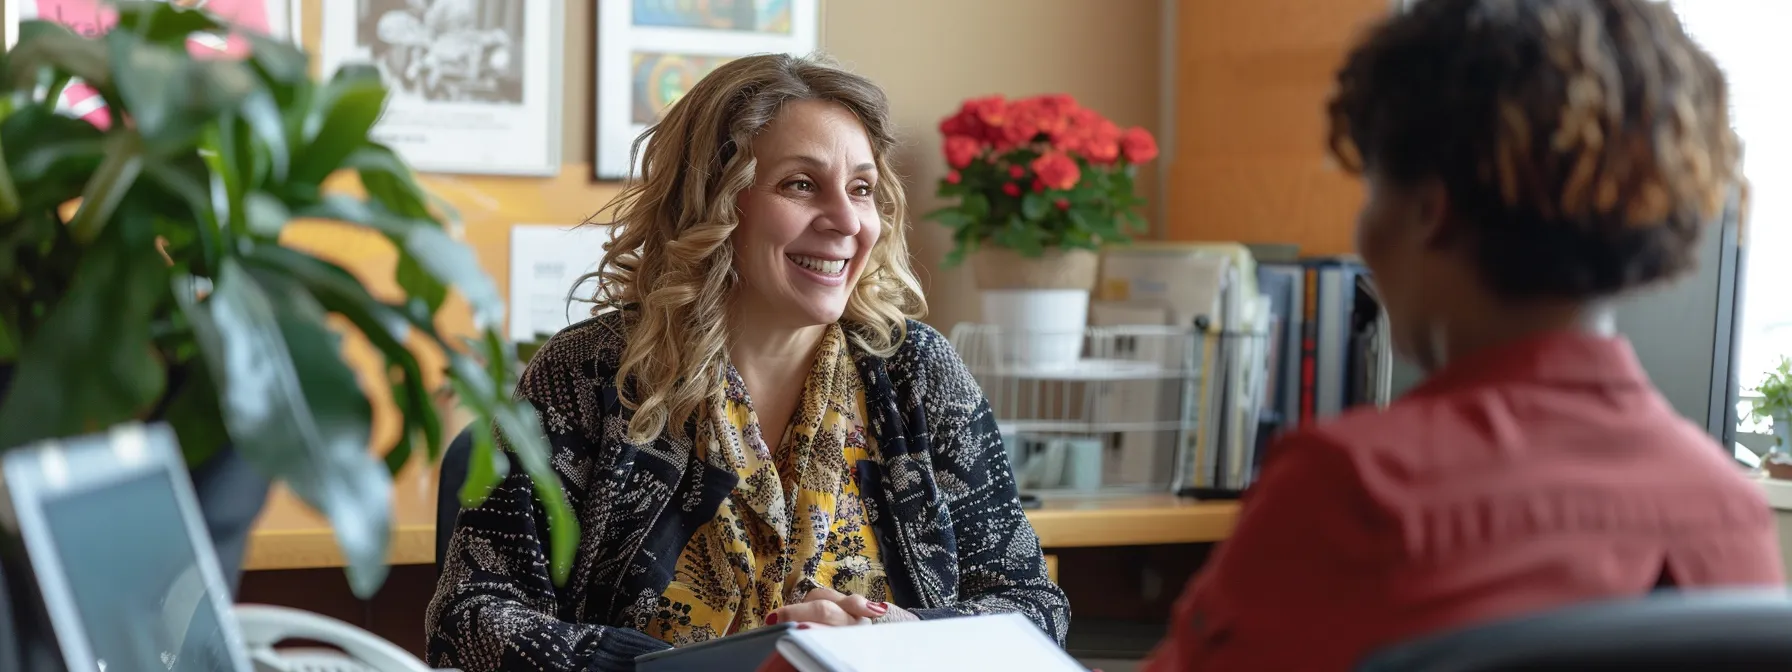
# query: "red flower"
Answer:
x=1137 y=145
x=1063 y=204
x=1011 y=189
x=979 y=118
x=1021 y=130
x=1029 y=118
x=1016 y=172
x=1037 y=185
x=961 y=150
x=952 y=177
x=1057 y=170
x=991 y=110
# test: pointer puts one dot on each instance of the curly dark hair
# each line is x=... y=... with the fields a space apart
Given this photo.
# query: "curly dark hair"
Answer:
x=1584 y=144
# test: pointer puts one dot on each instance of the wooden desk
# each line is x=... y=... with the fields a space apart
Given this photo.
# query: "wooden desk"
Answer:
x=290 y=536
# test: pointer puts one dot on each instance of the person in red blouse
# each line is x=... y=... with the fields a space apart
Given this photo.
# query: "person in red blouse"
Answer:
x=1526 y=161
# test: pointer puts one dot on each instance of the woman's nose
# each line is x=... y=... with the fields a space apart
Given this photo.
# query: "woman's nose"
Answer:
x=838 y=214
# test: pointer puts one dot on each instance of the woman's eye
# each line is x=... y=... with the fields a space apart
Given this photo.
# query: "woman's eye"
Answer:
x=800 y=185
x=862 y=190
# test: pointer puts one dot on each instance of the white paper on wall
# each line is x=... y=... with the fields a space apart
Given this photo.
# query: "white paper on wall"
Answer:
x=546 y=262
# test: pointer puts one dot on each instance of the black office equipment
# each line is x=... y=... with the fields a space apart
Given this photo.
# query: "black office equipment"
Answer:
x=1695 y=631
x=744 y=651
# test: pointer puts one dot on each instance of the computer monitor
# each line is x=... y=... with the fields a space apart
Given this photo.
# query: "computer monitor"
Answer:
x=122 y=571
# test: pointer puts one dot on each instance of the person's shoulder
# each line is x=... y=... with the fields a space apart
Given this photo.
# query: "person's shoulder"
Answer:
x=1365 y=451
x=589 y=350
x=925 y=357
x=923 y=341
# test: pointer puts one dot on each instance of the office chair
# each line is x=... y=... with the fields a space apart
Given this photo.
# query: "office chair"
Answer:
x=450 y=476
x=1705 y=630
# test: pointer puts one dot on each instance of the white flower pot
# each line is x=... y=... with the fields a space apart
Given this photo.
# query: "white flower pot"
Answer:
x=1039 y=304
x=1040 y=328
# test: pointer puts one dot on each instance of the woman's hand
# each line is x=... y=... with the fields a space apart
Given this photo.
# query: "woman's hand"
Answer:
x=825 y=606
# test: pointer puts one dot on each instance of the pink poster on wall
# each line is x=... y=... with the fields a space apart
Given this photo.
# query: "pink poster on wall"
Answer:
x=91 y=18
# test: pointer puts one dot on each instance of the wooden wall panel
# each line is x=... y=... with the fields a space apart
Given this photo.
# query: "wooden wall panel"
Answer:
x=1248 y=161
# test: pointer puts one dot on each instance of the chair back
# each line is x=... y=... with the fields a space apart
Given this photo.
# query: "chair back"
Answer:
x=1703 y=630
x=449 y=478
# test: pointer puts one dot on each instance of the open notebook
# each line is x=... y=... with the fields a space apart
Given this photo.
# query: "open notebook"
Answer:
x=974 y=644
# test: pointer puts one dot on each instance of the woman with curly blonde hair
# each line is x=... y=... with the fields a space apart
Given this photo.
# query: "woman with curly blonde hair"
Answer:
x=1526 y=163
x=753 y=429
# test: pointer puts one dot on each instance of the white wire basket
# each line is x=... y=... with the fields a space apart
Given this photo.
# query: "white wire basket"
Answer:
x=1105 y=408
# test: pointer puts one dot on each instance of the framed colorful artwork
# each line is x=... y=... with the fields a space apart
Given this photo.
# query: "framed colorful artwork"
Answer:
x=475 y=84
x=649 y=52
x=278 y=18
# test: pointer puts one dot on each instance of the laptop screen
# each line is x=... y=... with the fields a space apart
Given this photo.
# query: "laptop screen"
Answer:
x=135 y=577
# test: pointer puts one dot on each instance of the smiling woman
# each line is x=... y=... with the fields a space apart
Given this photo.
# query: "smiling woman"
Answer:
x=755 y=430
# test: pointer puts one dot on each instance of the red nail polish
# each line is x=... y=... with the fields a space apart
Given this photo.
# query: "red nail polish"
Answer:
x=801 y=626
x=771 y=619
x=880 y=607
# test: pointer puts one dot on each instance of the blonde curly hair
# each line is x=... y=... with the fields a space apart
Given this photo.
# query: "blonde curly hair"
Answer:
x=670 y=266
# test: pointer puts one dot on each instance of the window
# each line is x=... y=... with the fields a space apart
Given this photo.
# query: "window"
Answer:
x=1747 y=37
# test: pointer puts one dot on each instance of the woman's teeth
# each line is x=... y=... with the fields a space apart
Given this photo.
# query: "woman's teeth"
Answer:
x=822 y=266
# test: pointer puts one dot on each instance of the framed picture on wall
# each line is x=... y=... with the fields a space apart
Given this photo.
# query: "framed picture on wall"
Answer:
x=278 y=18
x=649 y=52
x=475 y=84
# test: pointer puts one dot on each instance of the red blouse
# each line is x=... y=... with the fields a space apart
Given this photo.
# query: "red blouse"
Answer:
x=1519 y=479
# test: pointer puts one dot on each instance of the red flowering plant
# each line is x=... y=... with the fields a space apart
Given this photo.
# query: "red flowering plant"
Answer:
x=1038 y=173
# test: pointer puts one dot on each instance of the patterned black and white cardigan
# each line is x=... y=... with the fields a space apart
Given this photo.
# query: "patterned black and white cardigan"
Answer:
x=942 y=500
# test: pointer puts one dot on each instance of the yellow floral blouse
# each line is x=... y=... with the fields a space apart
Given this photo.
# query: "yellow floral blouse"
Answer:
x=795 y=520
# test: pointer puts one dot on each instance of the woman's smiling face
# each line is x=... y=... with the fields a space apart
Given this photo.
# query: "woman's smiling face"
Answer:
x=810 y=219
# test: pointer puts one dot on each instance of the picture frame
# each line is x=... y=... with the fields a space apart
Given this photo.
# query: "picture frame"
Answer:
x=650 y=51
x=278 y=18
x=475 y=84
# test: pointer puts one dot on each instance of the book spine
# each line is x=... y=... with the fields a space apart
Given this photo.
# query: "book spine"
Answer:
x=1309 y=346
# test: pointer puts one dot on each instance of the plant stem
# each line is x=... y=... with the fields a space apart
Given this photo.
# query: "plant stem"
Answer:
x=9 y=192
x=54 y=95
x=116 y=174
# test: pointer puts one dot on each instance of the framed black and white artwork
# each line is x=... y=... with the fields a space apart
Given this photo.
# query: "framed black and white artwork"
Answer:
x=649 y=52
x=475 y=84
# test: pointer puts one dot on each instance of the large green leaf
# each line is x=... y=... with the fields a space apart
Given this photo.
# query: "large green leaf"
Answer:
x=388 y=181
x=262 y=114
x=278 y=61
x=294 y=410
x=338 y=123
x=46 y=46
x=108 y=185
x=164 y=23
x=522 y=433
x=386 y=327
x=91 y=364
x=53 y=154
x=193 y=413
x=427 y=246
x=485 y=467
x=170 y=96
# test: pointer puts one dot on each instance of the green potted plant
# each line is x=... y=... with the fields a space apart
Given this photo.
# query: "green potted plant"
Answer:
x=142 y=275
x=1774 y=403
x=1041 y=184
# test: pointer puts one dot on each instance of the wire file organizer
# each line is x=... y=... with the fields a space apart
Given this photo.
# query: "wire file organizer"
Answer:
x=1131 y=408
